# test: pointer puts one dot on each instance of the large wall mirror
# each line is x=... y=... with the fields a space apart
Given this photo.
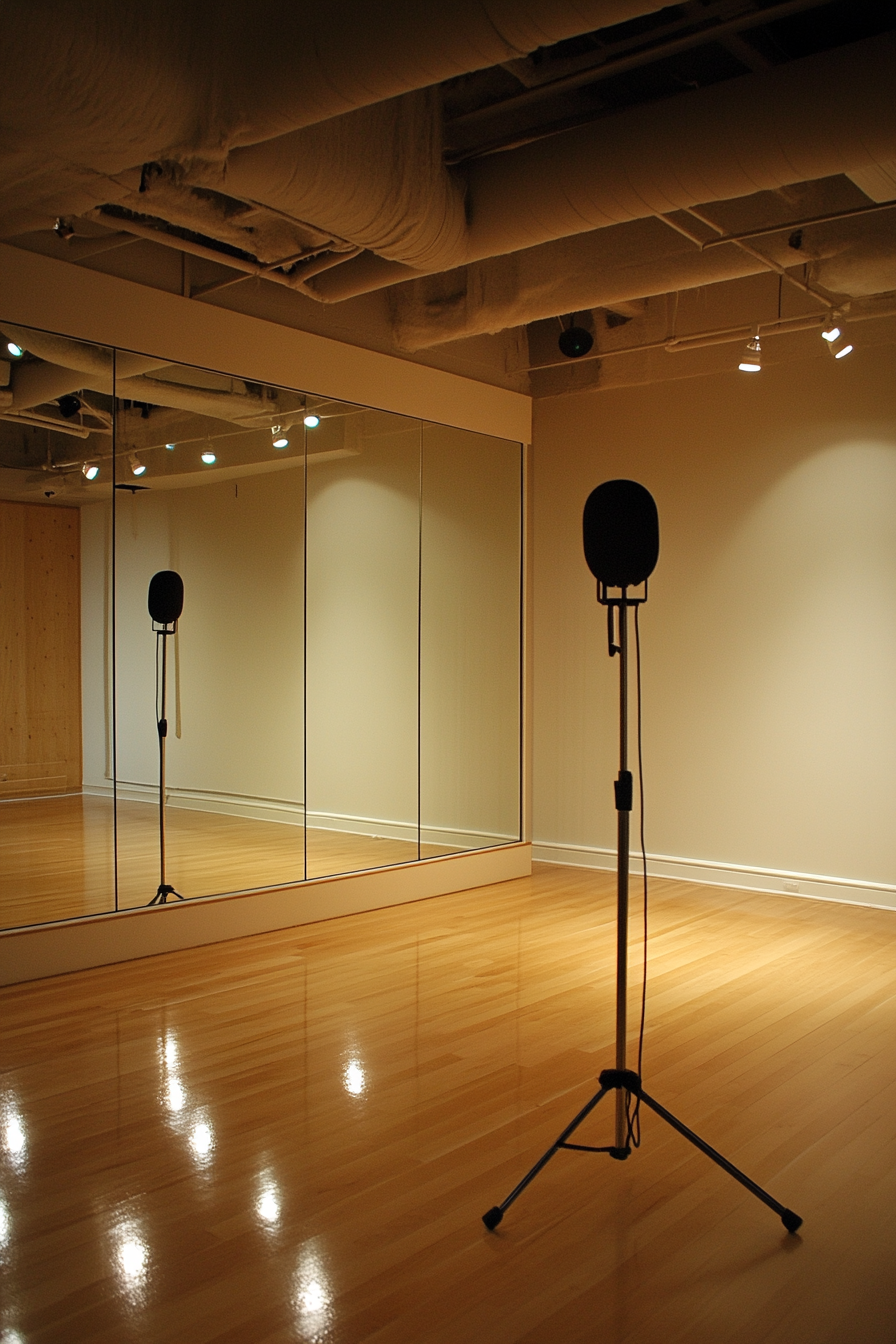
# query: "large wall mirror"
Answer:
x=343 y=687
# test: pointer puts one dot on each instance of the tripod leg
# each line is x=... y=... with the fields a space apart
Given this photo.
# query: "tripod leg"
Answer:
x=791 y=1220
x=494 y=1215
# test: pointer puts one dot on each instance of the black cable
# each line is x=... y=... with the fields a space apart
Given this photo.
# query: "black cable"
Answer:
x=634 y=1116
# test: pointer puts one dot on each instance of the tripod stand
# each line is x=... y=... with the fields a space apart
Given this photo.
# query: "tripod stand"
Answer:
x=624 y=1081
x=165 y=889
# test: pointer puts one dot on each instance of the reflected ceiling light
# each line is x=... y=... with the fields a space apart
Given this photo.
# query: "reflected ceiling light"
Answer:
x=209 y=458
x=278 y=437
x=751 y=359
x=91 y=470
x=138 y=468
x=354 y=1078
x=17 y=351
x=311 y=420
x=170 y=447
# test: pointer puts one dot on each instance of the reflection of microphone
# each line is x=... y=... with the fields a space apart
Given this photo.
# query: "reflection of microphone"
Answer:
x=166 y=597
x=621 y=531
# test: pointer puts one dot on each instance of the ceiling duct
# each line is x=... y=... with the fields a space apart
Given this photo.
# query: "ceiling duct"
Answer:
x=826 y=114
x=122 y=85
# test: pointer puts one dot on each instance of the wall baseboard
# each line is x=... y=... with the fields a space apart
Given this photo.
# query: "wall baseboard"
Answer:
x=292 y=813
x=843 y=890
x=101 y=940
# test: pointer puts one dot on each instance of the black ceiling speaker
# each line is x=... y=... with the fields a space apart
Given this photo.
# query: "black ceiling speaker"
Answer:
x=575 y=342
x=166 y=597
x=69 y=405
x=621 y=531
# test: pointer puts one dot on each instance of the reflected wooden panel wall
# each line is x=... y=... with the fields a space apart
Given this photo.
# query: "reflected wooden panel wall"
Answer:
x=40 y=673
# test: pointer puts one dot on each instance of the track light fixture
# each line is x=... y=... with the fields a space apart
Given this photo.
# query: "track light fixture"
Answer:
x=311 y=420
x=171 y=447
x=91 y=470
x=751 y=359
x=278 y=438
x=17 y=351
x=138 y=468
x=208 y=457
x=837 y=342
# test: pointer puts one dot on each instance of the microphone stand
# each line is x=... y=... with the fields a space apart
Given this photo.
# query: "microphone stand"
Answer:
x=624 y=1081
x=165 y=889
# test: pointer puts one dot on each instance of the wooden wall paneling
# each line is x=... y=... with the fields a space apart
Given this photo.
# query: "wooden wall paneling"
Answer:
x=40 y=678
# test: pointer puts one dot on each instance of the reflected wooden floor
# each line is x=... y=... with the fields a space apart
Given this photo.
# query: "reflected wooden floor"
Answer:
x=292 y=1137
x=56 y=855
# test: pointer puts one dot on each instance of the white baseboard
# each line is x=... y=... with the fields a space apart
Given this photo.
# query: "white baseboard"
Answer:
x=845 y=890
x=292 y=813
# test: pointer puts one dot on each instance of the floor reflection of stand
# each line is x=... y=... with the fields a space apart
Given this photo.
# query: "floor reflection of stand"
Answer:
x=165 y=889
x=624 y=1081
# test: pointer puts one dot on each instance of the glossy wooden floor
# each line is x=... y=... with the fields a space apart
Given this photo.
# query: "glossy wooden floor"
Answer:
x=293 y=1137
x=56 y=855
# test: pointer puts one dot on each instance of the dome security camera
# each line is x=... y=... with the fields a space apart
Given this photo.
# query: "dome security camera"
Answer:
x=575 y=342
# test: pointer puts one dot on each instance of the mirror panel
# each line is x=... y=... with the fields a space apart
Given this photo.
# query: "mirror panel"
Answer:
x=56 y=811
x=470 y=648
x=362 y=607
x=221 y=503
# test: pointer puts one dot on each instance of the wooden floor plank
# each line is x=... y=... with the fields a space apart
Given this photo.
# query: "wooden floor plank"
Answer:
x=294 y=1136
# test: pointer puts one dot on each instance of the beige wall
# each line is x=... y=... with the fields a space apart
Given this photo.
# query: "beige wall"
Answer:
x=769 y=638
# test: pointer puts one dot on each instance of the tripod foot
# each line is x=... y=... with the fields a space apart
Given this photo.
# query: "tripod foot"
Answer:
x=492 y=1218
x=163 y=893
x=792 y=1221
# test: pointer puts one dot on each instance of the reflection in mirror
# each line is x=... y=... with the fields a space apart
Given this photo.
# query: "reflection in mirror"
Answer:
x=55 y=490
x=219 y=501
x=363 y=595
x=469 y=641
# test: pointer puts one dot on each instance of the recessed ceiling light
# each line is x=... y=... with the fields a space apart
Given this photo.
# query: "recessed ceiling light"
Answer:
x=312 y=420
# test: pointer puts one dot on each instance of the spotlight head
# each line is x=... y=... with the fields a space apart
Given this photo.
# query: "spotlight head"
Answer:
x=575 y=342
x=209 y=458
x=17 y=351
x=621 y=533
x=751 y=360
x=91 y=470
x=171 y=447
x=830 y=330
x=839 y=344
x=311 y=420
x=278 y=438
x=69 y=405
x=63 y=228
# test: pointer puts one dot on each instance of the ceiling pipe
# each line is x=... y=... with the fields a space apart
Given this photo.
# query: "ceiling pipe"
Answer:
x=165 y=79
x=608 y=267
x=817 y=117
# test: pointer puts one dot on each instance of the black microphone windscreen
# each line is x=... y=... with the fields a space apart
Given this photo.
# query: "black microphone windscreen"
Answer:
x=621 y=531
x=166 y=596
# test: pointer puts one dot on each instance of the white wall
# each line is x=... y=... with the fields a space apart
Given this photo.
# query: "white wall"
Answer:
x=769 y=637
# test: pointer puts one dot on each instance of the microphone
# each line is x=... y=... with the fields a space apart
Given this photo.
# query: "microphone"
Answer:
x=621 y=532
x=166 y=597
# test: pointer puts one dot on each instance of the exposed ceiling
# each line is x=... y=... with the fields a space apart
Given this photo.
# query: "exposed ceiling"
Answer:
x=457 y=183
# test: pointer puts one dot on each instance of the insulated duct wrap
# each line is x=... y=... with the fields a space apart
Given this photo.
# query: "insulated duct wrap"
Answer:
x=808 y=119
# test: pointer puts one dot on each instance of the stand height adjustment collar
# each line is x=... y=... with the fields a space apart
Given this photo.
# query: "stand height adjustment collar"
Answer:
x=623 y=790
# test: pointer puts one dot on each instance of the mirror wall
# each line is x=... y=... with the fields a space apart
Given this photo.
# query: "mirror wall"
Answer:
x=343 y=686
